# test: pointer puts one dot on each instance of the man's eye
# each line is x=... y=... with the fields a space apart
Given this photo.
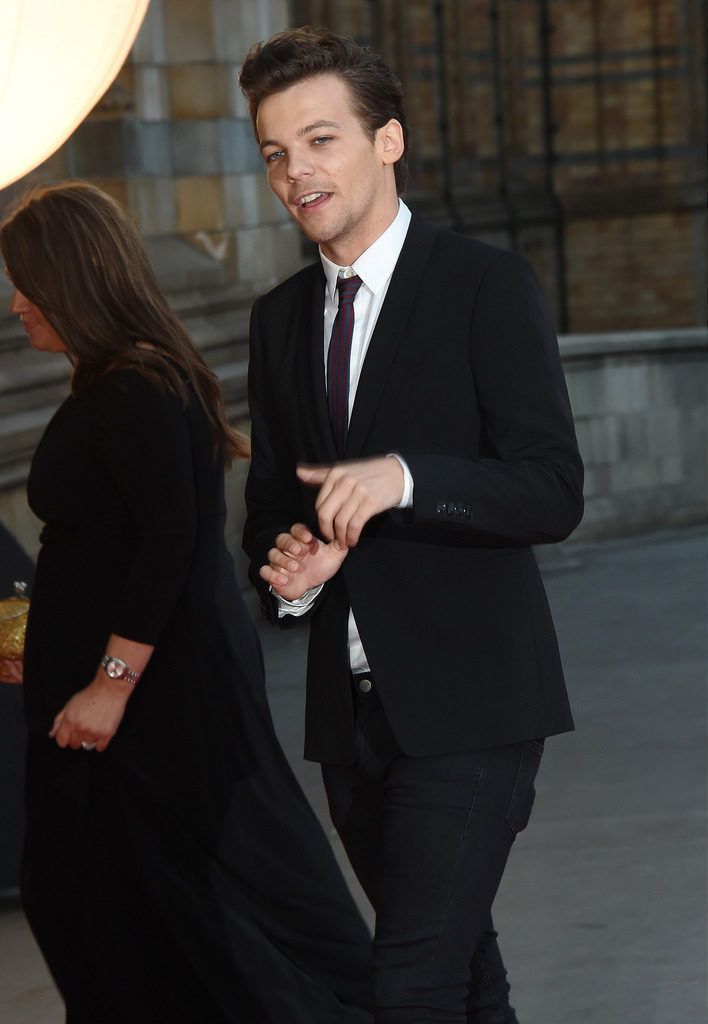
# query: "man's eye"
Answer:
x=321 y=140
x=272 y=157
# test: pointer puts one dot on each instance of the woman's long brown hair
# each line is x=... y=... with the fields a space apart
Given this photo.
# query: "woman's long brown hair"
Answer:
x=72 y=251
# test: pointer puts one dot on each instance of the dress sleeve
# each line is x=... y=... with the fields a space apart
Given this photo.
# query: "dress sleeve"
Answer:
x=142 y=439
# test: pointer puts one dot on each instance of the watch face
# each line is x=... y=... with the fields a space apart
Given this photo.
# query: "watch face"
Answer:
x=115 y=668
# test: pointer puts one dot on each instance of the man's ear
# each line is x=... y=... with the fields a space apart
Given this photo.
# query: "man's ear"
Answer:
x=390 y=140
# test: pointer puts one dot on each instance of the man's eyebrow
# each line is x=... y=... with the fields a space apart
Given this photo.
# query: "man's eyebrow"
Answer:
x=315 y=126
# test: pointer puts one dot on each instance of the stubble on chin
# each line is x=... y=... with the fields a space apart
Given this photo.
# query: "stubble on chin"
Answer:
x=326 y=234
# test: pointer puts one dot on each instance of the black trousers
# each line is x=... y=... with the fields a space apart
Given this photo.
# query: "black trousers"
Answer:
x=429 y=839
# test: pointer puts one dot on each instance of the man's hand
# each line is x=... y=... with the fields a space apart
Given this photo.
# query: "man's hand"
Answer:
x=300 y=561
x=351 y=493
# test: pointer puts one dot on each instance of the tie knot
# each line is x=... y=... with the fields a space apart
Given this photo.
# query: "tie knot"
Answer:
x=347 y=288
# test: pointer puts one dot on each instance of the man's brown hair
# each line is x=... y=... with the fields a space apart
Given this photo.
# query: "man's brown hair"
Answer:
x=301 y=53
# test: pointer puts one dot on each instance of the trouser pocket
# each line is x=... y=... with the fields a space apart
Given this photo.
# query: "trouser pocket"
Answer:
x=524 y=791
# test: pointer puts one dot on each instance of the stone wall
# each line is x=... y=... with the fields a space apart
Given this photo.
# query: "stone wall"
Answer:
x=172 y=141
x=639 y=401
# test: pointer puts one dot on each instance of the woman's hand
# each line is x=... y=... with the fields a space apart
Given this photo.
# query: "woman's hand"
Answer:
x=93 y=714
x=11 y=672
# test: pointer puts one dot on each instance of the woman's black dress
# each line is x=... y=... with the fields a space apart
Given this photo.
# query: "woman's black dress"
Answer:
x=180 y=876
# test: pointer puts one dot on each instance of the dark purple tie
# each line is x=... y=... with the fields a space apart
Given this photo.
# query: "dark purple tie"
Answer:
x=340 y=346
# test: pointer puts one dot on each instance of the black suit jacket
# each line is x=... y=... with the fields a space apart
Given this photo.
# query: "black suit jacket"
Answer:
x=463 y=379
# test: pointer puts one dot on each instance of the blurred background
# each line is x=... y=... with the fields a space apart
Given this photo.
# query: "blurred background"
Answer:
x=573 y=131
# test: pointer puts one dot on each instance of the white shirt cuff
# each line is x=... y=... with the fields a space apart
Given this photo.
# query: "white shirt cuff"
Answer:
x=300 y=605
x=407 y=499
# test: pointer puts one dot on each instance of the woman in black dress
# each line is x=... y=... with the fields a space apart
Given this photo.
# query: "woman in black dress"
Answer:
x=173 y=870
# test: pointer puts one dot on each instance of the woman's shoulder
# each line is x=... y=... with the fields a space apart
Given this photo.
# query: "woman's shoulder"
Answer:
x=120 y=381
x=130 y=390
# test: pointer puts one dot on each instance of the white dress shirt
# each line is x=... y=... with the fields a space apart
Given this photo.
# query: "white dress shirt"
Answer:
x=375 y=267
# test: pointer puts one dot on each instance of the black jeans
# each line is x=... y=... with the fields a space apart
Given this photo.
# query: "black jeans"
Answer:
x=429 y=838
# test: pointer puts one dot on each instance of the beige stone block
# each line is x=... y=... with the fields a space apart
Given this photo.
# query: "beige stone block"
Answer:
x=235 y=28
x=275 y=15
x=288 y=250
x=149 y=46
x=255 y=252
x=248 y=202
x=153 y=205
x=200 y=204
x=239 y=105
x=151 y=94
x=231 y=101
x=195 y=91
x=268 y=254
x=188 y=31
x=270 y=209
x=240 y=200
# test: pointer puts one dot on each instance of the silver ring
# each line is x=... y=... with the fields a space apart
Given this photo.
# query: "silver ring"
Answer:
x=87 y=746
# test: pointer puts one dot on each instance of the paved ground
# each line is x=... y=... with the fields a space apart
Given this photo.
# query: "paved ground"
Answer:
x=602 y=910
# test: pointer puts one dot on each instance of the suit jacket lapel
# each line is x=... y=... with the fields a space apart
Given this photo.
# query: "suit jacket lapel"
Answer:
x=389 y=331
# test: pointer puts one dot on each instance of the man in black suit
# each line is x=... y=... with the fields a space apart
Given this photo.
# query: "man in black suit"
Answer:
x=412 y=438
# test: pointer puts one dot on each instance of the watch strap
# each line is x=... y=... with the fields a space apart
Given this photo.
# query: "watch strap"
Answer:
x=126 y=672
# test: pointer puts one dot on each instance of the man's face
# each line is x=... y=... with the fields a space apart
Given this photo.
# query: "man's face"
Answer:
x=334 y=180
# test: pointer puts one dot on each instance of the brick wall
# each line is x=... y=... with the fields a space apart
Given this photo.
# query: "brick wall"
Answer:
x=572 y=130
x=632 y=271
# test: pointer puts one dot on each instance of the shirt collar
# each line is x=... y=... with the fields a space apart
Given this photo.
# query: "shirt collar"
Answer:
x=375 y=265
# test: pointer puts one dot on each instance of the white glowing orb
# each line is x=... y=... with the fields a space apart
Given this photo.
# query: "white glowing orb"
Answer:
x=57 y=58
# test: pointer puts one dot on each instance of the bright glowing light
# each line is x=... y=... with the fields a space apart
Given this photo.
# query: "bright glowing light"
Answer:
x=57 y=58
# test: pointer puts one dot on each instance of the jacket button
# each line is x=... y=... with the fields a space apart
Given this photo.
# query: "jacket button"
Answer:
x=365 y=685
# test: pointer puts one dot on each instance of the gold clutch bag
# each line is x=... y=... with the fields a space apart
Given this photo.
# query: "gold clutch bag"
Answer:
x=13 y=626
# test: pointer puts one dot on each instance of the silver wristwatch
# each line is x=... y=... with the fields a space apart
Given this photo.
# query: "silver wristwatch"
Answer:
x=116 y=668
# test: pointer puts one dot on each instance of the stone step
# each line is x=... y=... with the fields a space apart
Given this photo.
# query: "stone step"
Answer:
x=33 y=384
x=29 y=380
x=21 y=430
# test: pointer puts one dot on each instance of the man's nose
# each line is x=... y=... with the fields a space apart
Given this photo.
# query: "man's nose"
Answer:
x=298 y=166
